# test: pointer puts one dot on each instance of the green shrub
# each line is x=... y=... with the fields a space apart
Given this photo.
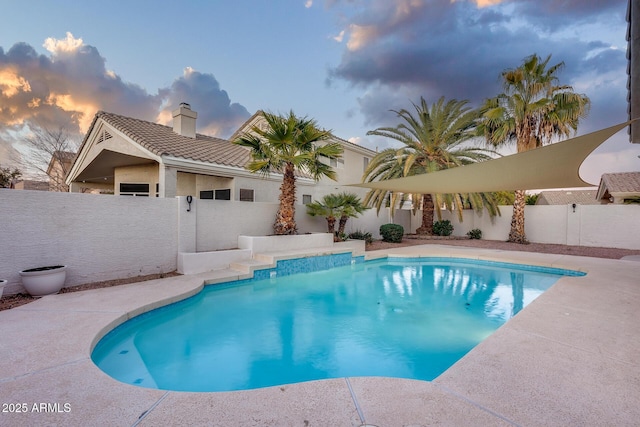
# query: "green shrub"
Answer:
x=391 y=233
x=361 y=235
x=476 y=233
x=442 y=228
x=531 y=199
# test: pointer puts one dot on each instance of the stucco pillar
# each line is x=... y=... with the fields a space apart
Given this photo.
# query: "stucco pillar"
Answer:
x=168 y=181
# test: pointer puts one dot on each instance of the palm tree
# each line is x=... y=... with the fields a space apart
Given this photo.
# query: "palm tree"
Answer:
x=329 y=207
x=350 y=207
x=286 y=145
x=533 y=110
x=433 y=140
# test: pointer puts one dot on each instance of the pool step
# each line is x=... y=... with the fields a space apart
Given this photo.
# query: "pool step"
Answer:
x=265 y=260
x=247 y=266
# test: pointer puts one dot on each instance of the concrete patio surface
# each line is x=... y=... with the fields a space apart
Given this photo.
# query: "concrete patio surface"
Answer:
x=570 y=358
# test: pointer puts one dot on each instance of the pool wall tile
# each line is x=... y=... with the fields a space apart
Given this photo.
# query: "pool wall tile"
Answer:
x=287 y=267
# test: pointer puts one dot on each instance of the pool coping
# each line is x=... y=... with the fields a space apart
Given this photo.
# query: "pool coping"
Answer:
x=569 y=358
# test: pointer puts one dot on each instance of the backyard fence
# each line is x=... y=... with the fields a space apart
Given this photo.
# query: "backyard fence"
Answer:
x=112 y=237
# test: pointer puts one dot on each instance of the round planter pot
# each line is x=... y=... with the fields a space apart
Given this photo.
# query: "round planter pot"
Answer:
x=2 y=284
x=44 y=280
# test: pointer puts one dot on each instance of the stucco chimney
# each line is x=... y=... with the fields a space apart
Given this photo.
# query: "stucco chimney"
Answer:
x=184 y=120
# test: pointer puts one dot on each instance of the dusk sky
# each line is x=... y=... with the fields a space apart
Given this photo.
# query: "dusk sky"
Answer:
x=345 y=63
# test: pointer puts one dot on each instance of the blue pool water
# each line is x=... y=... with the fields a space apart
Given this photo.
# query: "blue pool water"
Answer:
x=406 y=318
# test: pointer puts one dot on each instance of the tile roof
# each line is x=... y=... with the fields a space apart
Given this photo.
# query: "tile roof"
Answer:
x=623 y=182
x=163 y=141
x=565 y=197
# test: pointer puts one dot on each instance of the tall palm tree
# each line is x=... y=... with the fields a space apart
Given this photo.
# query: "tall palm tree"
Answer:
x=330 y=207
x=533 y=110
x=433 y=139
x=350 y=207
x=286 y=145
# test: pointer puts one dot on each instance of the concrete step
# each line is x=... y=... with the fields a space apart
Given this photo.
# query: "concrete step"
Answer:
x=249 y=265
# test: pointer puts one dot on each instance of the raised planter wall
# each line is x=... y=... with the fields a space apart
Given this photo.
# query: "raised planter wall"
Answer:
x=357 y=247
x=261 y=244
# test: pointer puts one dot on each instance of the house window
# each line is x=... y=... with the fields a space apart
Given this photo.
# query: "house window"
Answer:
x=340 y=163
x=333 y=162
x=365 y=163
x=224 y=194
x=306 y=199
x=246 y=195
x=206 y=194
x=139 y=190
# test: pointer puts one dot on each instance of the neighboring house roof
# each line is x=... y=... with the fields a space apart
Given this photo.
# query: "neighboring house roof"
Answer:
x=617 y=183
x=567 y=197
x=163 y=141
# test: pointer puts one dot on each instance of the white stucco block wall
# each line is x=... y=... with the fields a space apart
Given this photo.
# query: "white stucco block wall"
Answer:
x=610 y=226
x=220 y=222
x=97 y=237
x=547 y=223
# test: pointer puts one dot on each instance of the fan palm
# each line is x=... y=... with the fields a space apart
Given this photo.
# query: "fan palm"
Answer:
x=328 y=207
x=533 y=110
x=433 y=139
x=286 y=145
x=350 y=207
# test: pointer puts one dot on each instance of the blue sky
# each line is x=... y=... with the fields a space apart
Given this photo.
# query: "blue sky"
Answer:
x=345 y=63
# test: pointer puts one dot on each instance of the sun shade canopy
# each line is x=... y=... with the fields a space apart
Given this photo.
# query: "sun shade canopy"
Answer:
x=552 y=166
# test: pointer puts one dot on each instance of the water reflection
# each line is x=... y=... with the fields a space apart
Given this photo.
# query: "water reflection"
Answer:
x=403 y=319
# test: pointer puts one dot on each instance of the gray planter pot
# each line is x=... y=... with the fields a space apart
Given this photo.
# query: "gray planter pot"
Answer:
x=44 y=280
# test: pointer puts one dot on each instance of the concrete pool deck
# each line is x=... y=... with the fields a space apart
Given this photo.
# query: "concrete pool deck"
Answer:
x=569 y=358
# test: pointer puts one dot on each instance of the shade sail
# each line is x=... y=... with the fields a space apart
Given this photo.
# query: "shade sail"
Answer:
x=552 y=166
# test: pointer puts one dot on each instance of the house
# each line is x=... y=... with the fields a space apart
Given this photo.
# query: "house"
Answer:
x=619 y=188
x=568 y=197
x=134 y=157
x=29 y=184
x=58 y=168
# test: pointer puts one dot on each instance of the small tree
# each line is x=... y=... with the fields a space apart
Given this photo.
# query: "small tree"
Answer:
x=350 y=207
x=328 y=207
x=7 y=176
x=52 y=152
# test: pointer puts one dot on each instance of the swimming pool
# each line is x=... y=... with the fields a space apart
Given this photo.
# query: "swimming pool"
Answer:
x=397 y=317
